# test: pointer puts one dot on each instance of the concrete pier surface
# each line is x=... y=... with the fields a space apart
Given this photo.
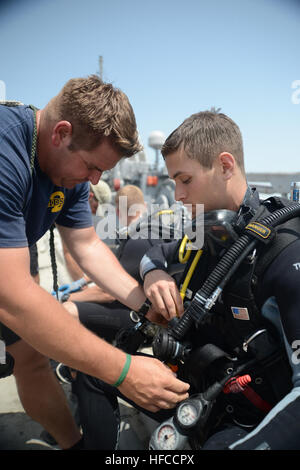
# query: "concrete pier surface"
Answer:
x=19 y=432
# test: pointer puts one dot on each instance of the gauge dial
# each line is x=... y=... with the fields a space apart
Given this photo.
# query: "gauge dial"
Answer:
x=187 y=414
x=167 y=437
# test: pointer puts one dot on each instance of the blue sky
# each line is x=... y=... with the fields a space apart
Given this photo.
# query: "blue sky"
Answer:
x=172 y=58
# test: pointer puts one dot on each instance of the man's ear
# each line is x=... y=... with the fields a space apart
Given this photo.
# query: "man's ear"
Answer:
x=62 y=133
x=227 y=164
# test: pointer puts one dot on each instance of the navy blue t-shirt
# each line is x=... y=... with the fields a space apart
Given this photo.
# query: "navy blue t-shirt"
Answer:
x=29 y=202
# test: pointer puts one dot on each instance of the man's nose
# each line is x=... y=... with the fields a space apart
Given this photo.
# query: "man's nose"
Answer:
x=179 y=194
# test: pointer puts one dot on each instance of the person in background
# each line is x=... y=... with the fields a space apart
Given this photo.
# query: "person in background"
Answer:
x=96 y=308
x=100 y=194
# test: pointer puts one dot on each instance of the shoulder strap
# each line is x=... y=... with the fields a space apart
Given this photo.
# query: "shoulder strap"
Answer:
x=34 y=138
x=11 y=103
x=286 y=234
x=51 y=240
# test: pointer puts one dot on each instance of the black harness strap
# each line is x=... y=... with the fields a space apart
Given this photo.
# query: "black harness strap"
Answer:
x=51 y=240
x=285 y=235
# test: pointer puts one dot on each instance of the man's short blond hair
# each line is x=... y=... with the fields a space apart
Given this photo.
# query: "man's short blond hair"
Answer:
x=96 y=110
x=133 y=193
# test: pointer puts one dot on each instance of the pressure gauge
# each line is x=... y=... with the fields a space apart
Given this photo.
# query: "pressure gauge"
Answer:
x=167 y=437
x=188 y=414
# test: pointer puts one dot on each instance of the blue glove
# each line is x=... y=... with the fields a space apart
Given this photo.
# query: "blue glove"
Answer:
x=65 y=290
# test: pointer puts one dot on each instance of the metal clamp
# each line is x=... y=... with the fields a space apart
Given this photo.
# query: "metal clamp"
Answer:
x=210 y=302
x=134 y=316
x=252 y=337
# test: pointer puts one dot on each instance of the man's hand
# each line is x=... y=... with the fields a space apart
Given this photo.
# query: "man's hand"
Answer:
x=156 y=317
x=161 y=290
x=152 y=385
x=66 y=289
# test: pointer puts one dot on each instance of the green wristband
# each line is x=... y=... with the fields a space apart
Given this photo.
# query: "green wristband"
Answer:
x=124 y=371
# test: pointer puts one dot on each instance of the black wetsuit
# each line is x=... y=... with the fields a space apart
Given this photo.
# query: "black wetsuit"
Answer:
x=277 y=296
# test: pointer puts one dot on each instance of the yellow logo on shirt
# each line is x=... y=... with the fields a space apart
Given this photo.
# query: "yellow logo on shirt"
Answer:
x=56 y=201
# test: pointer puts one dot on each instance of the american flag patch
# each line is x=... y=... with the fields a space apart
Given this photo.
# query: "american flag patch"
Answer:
x=241 y=313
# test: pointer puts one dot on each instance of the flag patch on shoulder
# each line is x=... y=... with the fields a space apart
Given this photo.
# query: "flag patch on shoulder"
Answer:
x=241 y=313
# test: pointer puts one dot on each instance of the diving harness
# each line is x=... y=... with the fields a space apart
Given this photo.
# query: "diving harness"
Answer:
x=169 y=344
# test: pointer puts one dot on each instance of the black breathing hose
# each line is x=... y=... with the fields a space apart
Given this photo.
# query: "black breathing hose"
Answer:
x=225 y=269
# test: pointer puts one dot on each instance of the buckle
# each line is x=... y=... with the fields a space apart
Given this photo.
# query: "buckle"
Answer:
x=251 y=338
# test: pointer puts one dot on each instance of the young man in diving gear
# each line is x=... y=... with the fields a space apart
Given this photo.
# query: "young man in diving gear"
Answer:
x=204 y=156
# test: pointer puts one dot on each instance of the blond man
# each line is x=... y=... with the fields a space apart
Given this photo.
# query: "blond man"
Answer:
x=48 y=158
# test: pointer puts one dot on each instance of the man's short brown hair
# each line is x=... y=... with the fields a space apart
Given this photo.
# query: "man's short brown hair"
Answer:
x=204 y=135
x=96 y=110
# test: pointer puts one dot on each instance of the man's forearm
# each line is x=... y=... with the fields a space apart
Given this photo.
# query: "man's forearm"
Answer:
x=91 y=294
x=101 y=265
x=42 y=322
